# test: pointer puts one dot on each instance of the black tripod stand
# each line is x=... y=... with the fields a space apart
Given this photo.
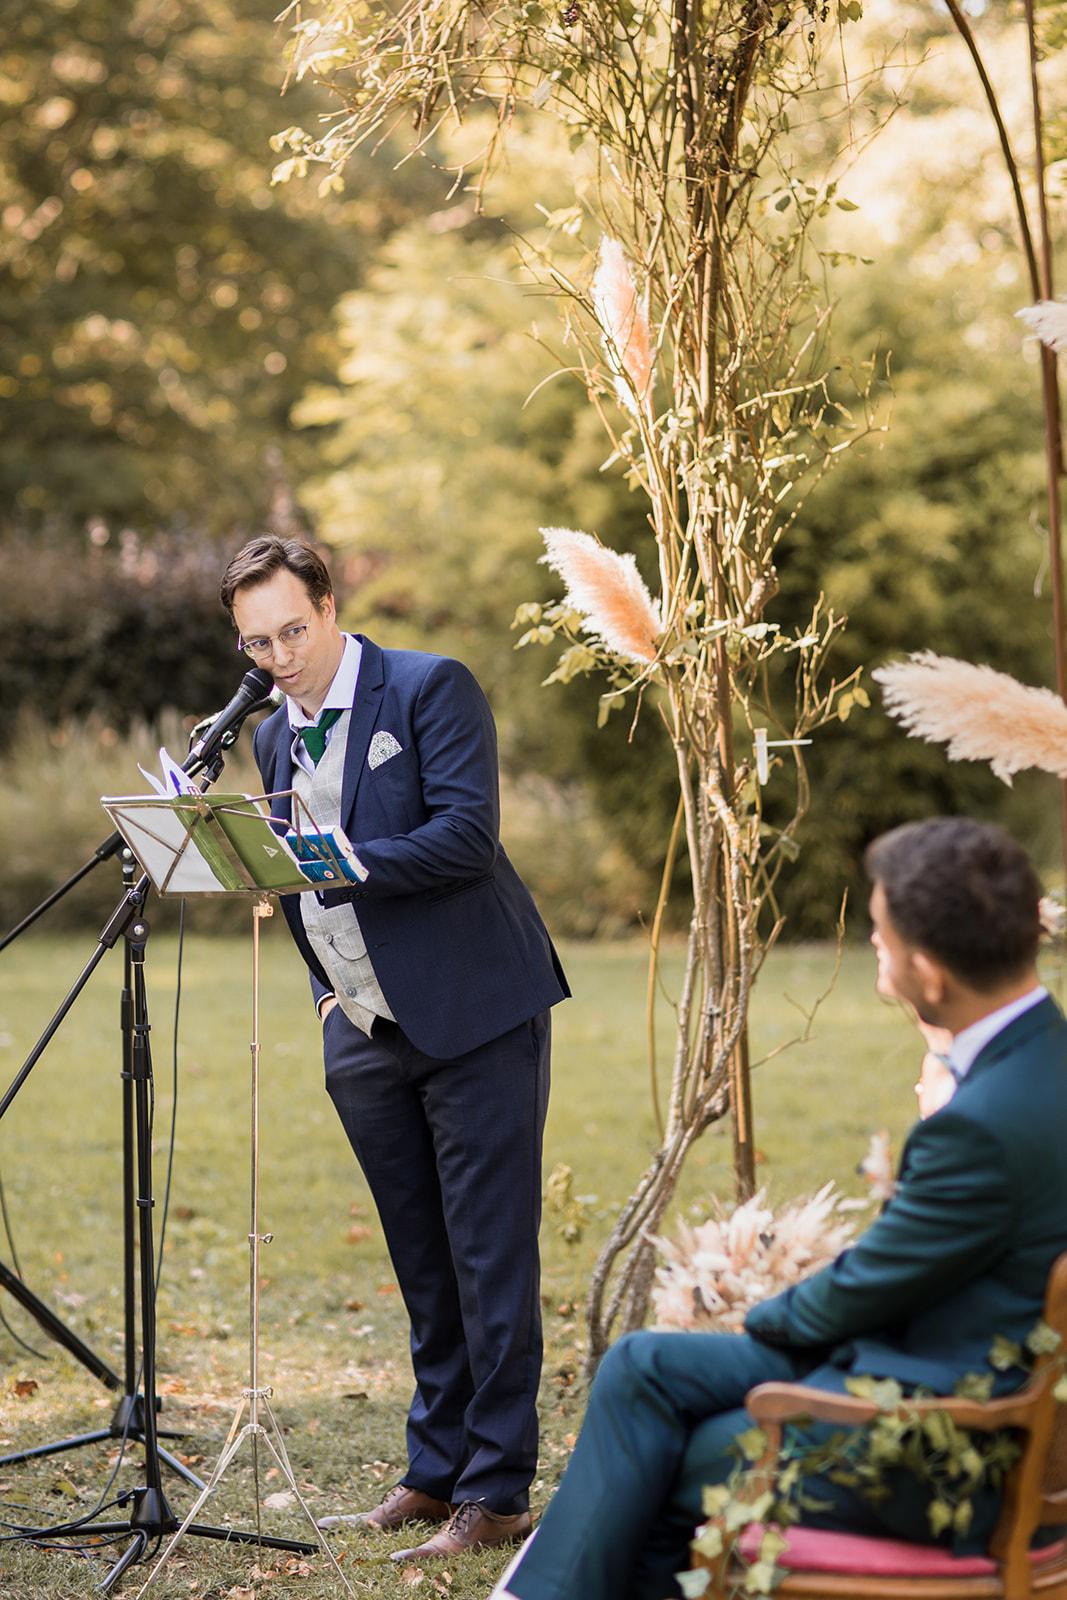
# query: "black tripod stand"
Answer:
x=150 y=1514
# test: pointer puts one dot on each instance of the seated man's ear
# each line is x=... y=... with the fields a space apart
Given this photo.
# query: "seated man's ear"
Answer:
x=933 y=978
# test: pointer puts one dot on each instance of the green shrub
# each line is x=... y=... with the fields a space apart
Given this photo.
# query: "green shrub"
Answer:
x=122 y=632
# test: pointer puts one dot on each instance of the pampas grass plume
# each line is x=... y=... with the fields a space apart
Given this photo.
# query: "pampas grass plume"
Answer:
x=628 y=339
x=608 y=591
x=1048 y=320
x=981 y=715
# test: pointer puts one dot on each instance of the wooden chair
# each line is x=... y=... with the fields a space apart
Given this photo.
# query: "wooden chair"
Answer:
x=839 y=1566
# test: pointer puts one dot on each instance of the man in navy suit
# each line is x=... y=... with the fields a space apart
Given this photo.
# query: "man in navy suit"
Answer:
x=434 y=979
x=958 y=1257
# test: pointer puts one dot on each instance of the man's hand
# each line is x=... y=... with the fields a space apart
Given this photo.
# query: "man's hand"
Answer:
x=326 y=1005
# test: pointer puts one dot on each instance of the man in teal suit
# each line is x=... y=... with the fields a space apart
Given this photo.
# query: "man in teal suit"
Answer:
x=959 y=1256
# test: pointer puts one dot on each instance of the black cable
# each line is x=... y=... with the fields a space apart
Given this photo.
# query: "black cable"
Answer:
x=7 y=1230
x=25 y=1343
x=174 y=1093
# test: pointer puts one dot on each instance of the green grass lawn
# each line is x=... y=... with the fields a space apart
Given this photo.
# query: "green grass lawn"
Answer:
x=333 y=1332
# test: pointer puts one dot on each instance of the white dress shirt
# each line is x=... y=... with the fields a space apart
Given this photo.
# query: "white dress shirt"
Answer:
x=969 y=1042
x=340 y=696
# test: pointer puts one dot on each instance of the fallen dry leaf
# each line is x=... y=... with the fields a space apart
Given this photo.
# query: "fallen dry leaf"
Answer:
x=357 y=1233
x=411 y=1575
x=24 y=1387
x=298 y=1568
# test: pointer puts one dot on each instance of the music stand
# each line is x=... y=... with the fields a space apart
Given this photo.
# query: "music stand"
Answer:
x=231 y=844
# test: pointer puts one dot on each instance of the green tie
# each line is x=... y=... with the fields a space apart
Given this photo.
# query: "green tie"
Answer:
x=314 y=735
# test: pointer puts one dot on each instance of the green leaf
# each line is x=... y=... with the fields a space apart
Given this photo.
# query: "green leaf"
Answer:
x=709 y=1541
x=772 y=1545
x=975 y=1386
x=846 y=205
x=885 y=1392
x=1042 y=1340
x=575 y=660
x=716 y=1498
x=962 y=1519
x=542 y=635
x=605 y=706
x=1005 y=1353
x=940 y=1515
x=760 y=1577
x=938 y=1429
x=782 y=202
x=739 y=1513
x=529 y=611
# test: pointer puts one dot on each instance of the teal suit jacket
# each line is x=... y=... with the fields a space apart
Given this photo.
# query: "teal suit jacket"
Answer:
x=963 y=1250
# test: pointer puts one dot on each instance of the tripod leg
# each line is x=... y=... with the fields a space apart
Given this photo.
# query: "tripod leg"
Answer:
x=180 y=1468
x=56 y=1447
x=57 y=1329
x=134 y=1551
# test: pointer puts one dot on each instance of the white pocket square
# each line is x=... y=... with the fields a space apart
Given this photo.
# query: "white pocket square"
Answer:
x=383 y=747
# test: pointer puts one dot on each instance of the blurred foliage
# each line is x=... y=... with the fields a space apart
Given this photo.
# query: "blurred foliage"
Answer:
x=148 y=273
x=162 y=306
x=123 y=631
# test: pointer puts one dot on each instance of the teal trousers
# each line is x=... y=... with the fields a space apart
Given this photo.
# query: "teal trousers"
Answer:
x=663 y=1413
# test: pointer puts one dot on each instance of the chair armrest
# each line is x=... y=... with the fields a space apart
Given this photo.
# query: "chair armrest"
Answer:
x=778 y=1403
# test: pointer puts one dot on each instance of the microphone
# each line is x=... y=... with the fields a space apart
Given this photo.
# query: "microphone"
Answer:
x=256 y=689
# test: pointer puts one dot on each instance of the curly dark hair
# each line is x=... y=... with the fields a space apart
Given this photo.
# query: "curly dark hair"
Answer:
x=265 y=555
x=964 y=892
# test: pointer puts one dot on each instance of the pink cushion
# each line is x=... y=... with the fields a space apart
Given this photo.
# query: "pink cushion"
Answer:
x=814 y=1550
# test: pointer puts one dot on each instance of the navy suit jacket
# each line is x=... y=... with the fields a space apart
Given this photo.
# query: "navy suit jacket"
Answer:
x=963 y=1250
x=457 y=944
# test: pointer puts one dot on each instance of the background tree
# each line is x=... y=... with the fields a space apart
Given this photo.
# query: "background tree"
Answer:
x=678 y=122
x=162 y=306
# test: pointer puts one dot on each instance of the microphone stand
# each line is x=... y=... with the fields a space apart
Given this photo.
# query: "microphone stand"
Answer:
x=103 y=852
x=150 y=1515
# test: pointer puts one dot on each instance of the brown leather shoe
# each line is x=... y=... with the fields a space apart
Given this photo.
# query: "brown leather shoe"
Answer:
x=399 y=1506
x=473 y=1527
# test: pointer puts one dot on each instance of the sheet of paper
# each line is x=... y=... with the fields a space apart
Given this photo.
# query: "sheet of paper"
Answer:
x=176 y=781
x=148 y=777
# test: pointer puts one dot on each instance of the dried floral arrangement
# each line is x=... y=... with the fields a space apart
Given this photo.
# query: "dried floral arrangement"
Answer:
x=712 y=1273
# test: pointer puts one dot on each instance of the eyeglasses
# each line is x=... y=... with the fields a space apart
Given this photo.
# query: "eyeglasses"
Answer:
x=262 y=649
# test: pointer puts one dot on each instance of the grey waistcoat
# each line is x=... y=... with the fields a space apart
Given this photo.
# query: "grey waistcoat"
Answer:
x=334 y=931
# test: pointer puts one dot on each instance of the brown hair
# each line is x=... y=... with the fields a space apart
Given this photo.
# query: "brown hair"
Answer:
x=964 y=892
x=265 y=555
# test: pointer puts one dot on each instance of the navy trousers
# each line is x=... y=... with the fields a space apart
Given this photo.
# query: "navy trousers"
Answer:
x=452 y=1153
x=663 y=1412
